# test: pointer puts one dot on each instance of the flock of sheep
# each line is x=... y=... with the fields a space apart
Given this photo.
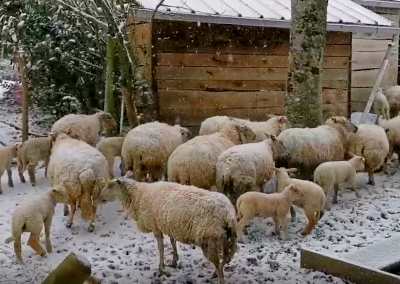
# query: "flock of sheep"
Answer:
x=213 y=183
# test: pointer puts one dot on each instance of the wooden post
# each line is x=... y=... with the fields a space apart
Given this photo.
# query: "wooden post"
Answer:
x=25 y=94
x=129 y=107
x=74 y=269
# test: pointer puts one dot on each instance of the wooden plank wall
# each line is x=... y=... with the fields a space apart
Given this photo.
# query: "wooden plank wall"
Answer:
x=367 y=56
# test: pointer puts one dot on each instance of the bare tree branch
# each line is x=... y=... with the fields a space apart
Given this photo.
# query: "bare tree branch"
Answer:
x=82 y=13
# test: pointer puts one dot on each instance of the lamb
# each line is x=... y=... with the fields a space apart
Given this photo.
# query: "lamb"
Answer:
x=276 y=205
x=393 y=97
x=331 y=174
x=30 y=217
x=84 y=127
x=273 y=126
x=194 y=162
x=30 y=152
x=247 y=167
x=309 y=147
x=186 y=214
x=82 y=171
x=313 y=200
x=7 y=153
x=370 y=142
x=147 y=147
x=381 y=105
x=111 y=147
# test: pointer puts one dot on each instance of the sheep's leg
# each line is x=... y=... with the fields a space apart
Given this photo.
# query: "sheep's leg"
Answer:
x=47 y=225
x=175 y=256
x=292 y=213
x=312 y=221
x=20 y=173
x=355 y=188
x=160 y=244
x=9 y=172
x=277 y=230
x=1 y=190
x=283 y=227
x=122 y=167
x=18 y=248
x=371 y=179
x=71 y=217
x=33 y=242
x=219 y=271
x=93 y=219
x=46 y=164
x=337 y=189
x=66 y=210
x=31 y=172
x=240 y=227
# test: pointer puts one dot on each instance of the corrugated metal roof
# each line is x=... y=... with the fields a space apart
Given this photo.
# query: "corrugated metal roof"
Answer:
x=339 y=11
x=382 y=3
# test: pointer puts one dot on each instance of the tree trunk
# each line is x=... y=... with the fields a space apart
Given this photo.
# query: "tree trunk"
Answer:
x=130 y=113
x=72 y=270
x=25 y=94
x=109 y=102
x=307 y=42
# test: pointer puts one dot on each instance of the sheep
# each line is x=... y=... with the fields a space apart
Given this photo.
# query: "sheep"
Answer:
x=111 y=147
x=392 y=129
x=7 y=153
x=276 y=205
x=273 y=126
x=30 y=217
x=393 y=97
x=186 y=214
x=84 y=127
x=147 y=147
x=309 y=147
x=331 y=174
x=313 y=200
x=246 y=167
x=194 y=162
x=82 y=171
x=370 y=142
x=30 y=152
x=381 y=105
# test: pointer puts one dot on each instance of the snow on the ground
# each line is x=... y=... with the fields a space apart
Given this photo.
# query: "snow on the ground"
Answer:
x=119 y=253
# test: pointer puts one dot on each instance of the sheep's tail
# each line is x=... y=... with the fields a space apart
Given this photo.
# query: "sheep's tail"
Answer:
x=21 y=156
x=229 y=241
x=88 y=182
x=9 y=240
x=17 y=225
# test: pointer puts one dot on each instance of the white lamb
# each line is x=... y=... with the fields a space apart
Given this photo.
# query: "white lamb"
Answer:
x=7 y=153
x=331 y=174
x=313 y=200
x=82 y=171
x=147 y=147
x=186 y=214
x=30 y=217
x=247 y=167
x=273 y=126
x=381 y=104
x=276 y=205
x=84 y=127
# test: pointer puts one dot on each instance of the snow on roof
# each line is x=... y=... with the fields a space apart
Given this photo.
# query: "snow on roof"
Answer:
x=382 y=3
x=343 y=15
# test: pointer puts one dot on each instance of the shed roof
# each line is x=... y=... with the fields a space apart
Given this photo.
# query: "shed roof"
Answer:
x=343 y=15
x=381 y=3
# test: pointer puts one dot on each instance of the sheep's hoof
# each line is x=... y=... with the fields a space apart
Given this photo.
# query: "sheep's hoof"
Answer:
x=304 y=233
x=214 y=275
x=1 y=192
x=173 y=264
x=161 y=272
x=68 y=225
x=23 y=180
x=66 y=213
x=91 y=228
x=43 y=254
x=371 y=182
x=11 y=184
x=33 y=184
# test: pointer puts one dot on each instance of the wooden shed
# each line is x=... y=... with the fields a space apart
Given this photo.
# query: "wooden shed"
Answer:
x=206 y=58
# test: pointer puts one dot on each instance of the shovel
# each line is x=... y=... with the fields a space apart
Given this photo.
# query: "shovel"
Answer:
x=365 y=117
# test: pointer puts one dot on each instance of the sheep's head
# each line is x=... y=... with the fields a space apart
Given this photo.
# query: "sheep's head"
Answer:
x=186 y=134
x=281 y=121
x=246 y=134
x=341 y=120
x=106 y=120
x=295 y=191
x=59 y=195
x=278 y=149
x=112 y=191
x=282 y=173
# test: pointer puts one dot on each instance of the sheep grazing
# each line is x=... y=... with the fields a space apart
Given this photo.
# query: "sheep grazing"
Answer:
x=331 y=174
x=273 y=126
x=246 y=167
x=381 y=105
x=370 y=142
x=313 y=200
x=30 y=152
x=186 y=214
x=111 y=147
x=276 y=205
x=194 y=163
x=82 y=171
x=309 y=147
x=84 y=127
x=147 y=147
x=30 y=217
x=7 y=153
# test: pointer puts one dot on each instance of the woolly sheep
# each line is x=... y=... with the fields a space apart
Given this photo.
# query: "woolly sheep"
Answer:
x=276 y=205
x=331 y=174
x=393 y=97
x=381 y=105
x=370 y=142
x=313 y=200
x=246 y=167
x=309 y=147
x=30 y=217
x=147 y=147
x=111 y=147
x=194 y=162
x=82 y=171
x=30 y=152
x=273 y=126
x=392 y=129
x=7 y=153
x=186 y=214
x=84 y=127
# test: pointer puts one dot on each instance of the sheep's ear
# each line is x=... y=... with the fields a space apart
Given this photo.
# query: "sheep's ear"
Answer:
x=18 y=145
x=387 y=130
x=105 y=116
x=334 y=119
x=273 y=137
x=283 y=119
x=291 y=170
